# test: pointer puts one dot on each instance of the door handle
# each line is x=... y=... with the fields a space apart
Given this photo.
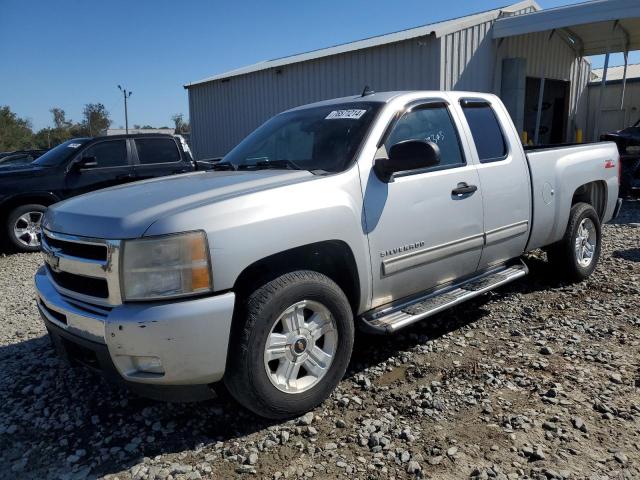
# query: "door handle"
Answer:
x=463 y=189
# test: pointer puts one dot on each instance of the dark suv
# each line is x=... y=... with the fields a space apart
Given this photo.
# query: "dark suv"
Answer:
x=628 y=141
x=78 y=166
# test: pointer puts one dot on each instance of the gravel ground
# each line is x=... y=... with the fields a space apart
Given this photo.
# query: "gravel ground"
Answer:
x=537 y=380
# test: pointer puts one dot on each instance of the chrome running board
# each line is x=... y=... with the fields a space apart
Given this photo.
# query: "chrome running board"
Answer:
x=402 y=314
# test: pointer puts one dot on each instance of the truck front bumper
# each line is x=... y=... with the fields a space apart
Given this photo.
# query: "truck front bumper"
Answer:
x=169 y=350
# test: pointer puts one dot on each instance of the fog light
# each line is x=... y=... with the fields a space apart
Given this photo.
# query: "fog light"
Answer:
x=147 y=365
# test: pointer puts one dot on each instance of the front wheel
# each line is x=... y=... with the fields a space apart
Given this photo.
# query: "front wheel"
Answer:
x=577 y=254
x=23 y=227
x=294 y=345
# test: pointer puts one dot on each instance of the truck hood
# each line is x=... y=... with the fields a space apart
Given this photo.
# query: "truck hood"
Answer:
x=127 y=211
x=7 y=169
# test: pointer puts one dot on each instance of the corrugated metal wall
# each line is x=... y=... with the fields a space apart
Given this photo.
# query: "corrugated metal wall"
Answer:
x=552 y=59
x=612 y=117
x=469 y=57
x=223 y=112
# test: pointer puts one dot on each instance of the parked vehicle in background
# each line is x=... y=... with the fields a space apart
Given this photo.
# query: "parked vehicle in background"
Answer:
x=20 y=156
x=79 y=166
x=628 y=142
x=375 y=211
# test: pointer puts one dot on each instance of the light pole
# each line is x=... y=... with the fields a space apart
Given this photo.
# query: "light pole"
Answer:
x=126 y=94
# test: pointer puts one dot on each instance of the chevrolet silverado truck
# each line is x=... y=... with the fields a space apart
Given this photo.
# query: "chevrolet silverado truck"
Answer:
x=376 y=211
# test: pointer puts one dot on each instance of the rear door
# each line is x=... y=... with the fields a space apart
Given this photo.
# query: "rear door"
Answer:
x=113 y=167
x=157 y=157
x=504 y=177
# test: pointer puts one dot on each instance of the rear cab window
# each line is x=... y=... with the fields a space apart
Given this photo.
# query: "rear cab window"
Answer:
x=432 y=122
x=157 y=150
x=485 y=129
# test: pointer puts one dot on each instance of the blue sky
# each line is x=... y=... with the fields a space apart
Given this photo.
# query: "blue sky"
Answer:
x=67 y=53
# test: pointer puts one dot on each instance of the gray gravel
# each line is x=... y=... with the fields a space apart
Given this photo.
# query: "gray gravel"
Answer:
x=538 y=380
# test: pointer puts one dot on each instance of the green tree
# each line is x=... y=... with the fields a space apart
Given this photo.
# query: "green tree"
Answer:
x=15 y=132
x=60 y=118
x=96 y=119
x=180 y=125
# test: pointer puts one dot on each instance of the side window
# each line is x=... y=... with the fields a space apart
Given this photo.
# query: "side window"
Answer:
x=157 y=150
x=112 y=153
x=433 y=124
x=486 y=132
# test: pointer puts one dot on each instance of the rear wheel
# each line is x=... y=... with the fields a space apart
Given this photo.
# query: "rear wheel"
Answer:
x=23 y=227
x=577 y=254
x=293 y=347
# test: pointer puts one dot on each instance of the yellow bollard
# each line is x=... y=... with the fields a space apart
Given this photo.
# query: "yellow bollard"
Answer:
x=525 y=136
x=579 y=137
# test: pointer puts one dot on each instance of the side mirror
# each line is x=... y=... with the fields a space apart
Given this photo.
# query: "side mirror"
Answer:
x=87 y=162
x=406 y=156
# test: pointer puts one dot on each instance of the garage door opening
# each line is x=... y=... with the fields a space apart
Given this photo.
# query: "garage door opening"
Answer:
x=554 y=112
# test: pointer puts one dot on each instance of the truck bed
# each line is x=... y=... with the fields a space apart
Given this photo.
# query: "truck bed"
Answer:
x=558 y=174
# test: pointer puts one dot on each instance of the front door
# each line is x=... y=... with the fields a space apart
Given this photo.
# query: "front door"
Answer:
x=112 y=168
x=421 y=232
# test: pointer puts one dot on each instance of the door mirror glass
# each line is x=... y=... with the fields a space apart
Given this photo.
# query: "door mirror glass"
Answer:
x=406 y=156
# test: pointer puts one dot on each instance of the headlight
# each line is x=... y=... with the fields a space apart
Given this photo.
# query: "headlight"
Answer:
x=165 y=267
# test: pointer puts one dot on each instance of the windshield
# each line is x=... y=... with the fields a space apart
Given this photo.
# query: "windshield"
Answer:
x=318 y=139
x=61 y=153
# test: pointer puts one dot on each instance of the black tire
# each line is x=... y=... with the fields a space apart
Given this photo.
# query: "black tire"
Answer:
x=246 y=376
x=14 y=241
x=562 y=255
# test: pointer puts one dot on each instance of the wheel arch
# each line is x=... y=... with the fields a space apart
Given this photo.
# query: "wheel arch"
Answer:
x=594 y=193
x=42 y=198
x=333 y=258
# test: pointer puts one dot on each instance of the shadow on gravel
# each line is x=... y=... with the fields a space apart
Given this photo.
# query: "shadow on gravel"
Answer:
x=630 y=212
x=632 y=254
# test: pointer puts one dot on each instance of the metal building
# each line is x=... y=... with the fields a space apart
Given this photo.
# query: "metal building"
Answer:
x=541 y=75
x=616 y=111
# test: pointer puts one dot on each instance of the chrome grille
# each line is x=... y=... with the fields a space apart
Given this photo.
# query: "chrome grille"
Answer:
x=82 y=268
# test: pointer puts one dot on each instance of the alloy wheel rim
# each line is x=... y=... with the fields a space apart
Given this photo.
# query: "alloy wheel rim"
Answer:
x=585 y=242
x=301 y=346
x=27 y=227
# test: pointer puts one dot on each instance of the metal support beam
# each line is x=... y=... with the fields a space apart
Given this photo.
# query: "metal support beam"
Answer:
x=536 y=135
x=603 y=85
x=576 y=99
x=624 y=79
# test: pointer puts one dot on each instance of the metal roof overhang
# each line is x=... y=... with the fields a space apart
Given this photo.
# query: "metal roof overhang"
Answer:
x=591 y=28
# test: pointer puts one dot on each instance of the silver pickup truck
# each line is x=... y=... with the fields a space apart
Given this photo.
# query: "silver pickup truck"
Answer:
x=375 y=211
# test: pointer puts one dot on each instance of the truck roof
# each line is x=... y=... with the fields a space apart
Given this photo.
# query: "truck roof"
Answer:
x=385 y=97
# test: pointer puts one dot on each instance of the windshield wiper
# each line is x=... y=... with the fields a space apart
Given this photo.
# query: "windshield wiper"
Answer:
x=266 y=164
